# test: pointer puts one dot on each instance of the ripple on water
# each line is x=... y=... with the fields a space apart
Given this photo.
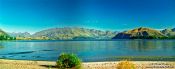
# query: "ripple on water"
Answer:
x=27 y=52
x=47 y=50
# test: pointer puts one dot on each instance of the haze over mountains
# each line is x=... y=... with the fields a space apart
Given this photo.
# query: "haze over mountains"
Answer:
x=72 y=33
x=20 y=34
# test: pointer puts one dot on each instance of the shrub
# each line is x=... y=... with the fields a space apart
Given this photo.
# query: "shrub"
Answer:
x=68 y=61
x=126 y=65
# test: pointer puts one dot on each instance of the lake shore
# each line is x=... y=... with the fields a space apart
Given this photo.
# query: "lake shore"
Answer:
x=25 y=64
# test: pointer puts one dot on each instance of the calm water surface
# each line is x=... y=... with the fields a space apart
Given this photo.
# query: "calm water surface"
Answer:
x=86 y=50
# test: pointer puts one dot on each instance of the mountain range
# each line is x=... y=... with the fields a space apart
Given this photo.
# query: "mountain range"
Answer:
x=72 y=33
x=20 y=34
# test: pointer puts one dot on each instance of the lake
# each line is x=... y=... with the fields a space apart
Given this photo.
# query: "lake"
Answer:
x=86 y=50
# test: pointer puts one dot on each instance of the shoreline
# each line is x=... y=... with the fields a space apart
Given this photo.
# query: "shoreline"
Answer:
x=28 y=64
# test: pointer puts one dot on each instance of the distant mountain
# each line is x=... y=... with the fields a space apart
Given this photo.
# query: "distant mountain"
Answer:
x=19 y=34
x=169 y=32
x=139 y=33
x=73 y=33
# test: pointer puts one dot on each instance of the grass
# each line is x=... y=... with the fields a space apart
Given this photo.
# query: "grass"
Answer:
x=126 y=65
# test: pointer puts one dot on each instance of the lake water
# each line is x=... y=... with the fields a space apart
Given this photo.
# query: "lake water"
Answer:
x=86 y=50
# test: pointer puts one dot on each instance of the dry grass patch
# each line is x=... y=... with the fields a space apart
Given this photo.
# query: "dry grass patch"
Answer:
x=126 y=65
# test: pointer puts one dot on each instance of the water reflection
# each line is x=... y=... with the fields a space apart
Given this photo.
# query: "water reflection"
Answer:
x=1 y=46
x=141 y=45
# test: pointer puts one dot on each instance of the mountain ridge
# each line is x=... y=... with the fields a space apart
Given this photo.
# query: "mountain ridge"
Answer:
x=73 y=33
x=139 y=33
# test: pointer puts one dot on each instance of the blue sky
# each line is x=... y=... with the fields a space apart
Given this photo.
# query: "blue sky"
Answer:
x=36 y=15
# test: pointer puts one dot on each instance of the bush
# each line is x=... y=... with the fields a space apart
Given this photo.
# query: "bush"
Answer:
x=68 y=61
x=126 y=65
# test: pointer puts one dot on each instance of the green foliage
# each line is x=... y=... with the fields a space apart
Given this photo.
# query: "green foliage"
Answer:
x=152 y=37
x=6 y=37
x=68 y=61
x=149 y=37
x=171 y=37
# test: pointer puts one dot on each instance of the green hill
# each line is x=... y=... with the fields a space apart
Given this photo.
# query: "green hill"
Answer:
x=140 y=33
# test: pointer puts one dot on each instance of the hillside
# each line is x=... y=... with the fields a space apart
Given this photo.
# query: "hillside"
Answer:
x=169 y=32
x=5 y=36
x=139 y=33
x=73 y=33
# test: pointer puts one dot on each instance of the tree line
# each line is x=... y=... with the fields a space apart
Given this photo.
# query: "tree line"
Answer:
x=152 y=37
x=6 y=37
